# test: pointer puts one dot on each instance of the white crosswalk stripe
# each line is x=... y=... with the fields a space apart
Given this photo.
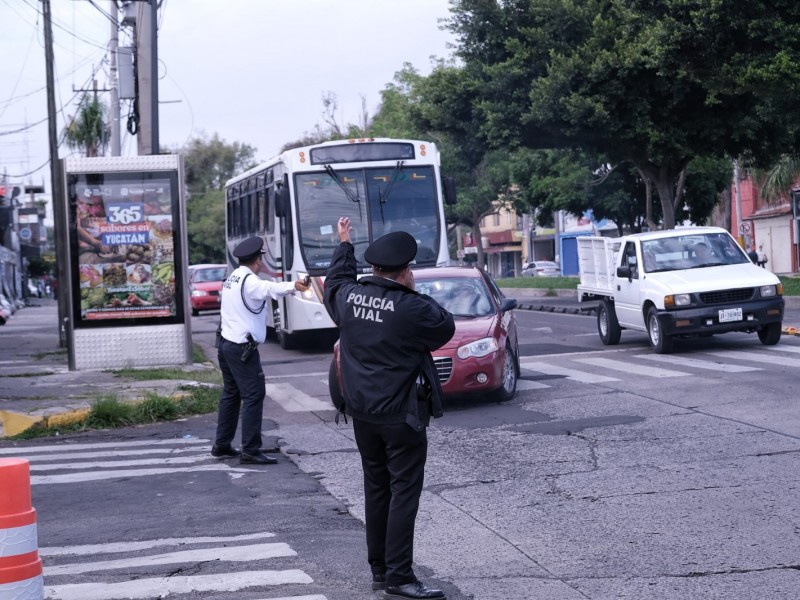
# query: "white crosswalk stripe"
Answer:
x=160 y=587
x=771 y=358
x=293 y=400
x=697 y=363
x=630 y=367
x=573 y=374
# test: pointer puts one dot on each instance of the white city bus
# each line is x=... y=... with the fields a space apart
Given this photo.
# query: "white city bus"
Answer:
x=295 y=200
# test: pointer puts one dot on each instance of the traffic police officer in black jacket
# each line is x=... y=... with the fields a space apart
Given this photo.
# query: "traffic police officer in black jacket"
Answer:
x=390 y=387
x=243 y=324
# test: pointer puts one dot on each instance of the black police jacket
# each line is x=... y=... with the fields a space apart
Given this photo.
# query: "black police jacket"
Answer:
x=386 y=334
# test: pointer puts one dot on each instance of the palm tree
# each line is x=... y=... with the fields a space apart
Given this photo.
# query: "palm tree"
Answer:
x=781 y=177
x=88 y=129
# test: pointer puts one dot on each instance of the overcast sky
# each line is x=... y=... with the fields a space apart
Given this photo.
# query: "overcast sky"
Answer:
x=252 y=71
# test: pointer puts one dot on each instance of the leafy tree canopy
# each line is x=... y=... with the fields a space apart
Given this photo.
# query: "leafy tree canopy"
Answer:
x=654 y=83
x=209 y=163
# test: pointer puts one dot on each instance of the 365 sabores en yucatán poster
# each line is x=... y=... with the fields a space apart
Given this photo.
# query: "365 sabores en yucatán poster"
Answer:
x=126 y=249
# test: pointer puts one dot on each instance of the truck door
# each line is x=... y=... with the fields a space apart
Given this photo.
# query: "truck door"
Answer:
x=627 y=301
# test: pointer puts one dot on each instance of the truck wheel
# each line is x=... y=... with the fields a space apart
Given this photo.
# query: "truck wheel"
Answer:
x=607 y=324
x=661 y=343
x=770 y=334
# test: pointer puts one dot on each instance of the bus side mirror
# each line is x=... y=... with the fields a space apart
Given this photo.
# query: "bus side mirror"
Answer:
x=449 y=185
x=282 y=197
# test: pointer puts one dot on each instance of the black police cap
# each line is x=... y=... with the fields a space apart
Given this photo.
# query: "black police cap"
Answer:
x=250 y=247
x=392 y=252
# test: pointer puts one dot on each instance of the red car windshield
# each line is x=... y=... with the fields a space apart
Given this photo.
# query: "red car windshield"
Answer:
x=464 y=297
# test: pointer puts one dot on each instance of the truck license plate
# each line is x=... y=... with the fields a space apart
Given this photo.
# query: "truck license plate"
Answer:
x=727 y=315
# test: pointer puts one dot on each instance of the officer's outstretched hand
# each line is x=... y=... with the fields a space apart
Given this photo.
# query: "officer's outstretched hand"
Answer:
x=301 y=285
x=344 y=229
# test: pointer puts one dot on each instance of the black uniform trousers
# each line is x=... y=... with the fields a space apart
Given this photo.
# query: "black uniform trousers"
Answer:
x=393 y=458
x=242 y=386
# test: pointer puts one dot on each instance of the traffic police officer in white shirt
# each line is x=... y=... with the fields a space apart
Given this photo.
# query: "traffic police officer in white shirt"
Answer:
x=243 y=322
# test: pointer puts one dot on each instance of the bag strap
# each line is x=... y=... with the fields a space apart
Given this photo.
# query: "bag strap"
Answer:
x=260 y=308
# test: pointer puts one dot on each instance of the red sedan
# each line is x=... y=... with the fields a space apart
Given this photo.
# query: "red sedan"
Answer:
x=482 y=358
x=205 y=285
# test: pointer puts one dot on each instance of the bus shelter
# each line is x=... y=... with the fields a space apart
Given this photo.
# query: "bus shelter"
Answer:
x=127 y=305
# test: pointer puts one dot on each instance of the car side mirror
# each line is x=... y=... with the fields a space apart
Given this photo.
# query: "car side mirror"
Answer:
x=508 y=304
x=625 y=273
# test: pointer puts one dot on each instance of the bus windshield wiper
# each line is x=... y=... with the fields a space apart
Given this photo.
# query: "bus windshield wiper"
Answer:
x=352 y=196
x=383 y=197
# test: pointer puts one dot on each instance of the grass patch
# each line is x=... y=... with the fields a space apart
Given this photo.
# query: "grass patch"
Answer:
x=109 y=412
x=198 y=356
x=43 y=355
x=791 y=285
x=200 y=375
x=547 y=283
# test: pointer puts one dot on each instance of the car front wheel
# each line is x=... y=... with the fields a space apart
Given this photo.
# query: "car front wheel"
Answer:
x=509 y=386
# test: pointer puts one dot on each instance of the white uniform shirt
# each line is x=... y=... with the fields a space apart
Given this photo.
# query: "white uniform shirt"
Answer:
x=237 y=320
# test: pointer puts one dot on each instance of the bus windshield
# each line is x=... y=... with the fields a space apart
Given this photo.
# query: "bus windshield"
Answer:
x=378 y=201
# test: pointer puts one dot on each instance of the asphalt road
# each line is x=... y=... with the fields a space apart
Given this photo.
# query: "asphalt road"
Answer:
x=614 y=473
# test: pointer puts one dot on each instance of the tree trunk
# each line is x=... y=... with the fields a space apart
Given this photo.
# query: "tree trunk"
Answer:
x=665 y=177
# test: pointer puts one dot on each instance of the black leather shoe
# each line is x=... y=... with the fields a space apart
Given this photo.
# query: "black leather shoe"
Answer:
x=224 y=451
x=378 y=581
x=257 y=459
x=411 y=590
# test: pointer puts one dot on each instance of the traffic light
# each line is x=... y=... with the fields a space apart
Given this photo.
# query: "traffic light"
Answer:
x=796 y=204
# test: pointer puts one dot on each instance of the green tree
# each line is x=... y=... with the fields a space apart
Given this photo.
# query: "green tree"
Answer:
x=656 y=84
x=208 y=164
x=88 y=130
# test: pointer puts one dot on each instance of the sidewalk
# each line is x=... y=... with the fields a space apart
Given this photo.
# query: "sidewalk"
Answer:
x=34 y=375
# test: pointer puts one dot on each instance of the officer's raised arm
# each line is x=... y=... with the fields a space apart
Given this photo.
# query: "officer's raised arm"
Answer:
x=344 y=229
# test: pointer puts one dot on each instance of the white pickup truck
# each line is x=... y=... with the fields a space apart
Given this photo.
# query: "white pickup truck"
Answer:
x=692 y=281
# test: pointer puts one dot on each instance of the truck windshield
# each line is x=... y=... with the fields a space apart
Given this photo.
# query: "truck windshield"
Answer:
x=691 y=251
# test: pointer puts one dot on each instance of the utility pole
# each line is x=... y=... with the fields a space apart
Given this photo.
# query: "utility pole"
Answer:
x=147 y=75
x=57 y=194
x=113 y=46
x=737 y=187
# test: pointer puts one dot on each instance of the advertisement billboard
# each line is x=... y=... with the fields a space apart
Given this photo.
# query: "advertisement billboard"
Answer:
x=124 y=233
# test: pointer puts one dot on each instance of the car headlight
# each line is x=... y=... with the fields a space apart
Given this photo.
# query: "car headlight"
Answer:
x=199 y=293
x=478 y=348
x=769 y=291
x=677 y=300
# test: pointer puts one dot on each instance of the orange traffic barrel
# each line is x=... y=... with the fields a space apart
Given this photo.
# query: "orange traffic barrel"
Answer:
x=20 y=565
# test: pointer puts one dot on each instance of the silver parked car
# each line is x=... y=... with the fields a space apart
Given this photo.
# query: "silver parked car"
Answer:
x=541 y=268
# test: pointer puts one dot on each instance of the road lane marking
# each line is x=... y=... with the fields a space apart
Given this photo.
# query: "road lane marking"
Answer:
x=685 y=361
x=572 y=374
x=115 y=464
x=293 y=400
x=124 y=474
x=782 y=348
x=772 y=359
x=117 y=547
x=161 y=587
x=219 y=553
x=111 y=453
x=525 y=384
x=66 y=446
x=631 y=368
